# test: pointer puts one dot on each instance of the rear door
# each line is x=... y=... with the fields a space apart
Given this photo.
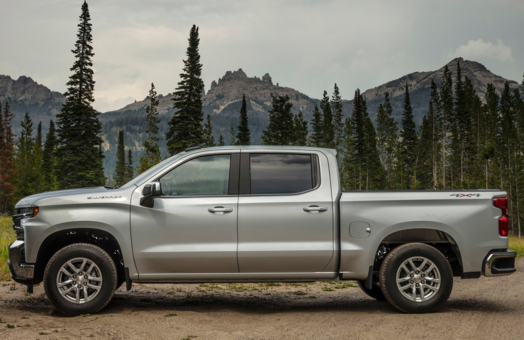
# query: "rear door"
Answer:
x=285 y=213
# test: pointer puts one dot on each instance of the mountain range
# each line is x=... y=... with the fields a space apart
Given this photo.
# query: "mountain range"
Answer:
x=223 y=100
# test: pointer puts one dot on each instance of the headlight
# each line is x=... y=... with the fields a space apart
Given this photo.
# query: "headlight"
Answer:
x=22 y=213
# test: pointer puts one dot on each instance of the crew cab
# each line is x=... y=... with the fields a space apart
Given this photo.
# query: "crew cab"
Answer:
x=254 y=214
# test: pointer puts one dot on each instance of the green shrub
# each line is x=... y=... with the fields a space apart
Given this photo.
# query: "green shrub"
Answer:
x=7 y=236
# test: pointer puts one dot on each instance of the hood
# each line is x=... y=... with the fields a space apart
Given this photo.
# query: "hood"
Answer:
x=30 y=200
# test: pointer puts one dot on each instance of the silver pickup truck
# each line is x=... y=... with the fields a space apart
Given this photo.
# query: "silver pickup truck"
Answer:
x=254 y=214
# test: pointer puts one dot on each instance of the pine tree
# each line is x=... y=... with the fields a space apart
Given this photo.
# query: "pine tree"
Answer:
x=36 y=159
x=152 y=154
x=7 y=161
x=78 y=155
x=244 y=135
x=221 y=140
x=408 y=142
x=457 y=126
x=49 y=159
x=23 y=180
x=327 y=120
x=121 y=168
x=232 y=139
x=446 y=105
x=279 y=131
x=317 y=136
x=424 y=155
x=338 y=125
x=358 y=140
x=491 y=140
x=375 y=174
x=209 y=140
x=436 y=122
x=348 y=166
x=387 y=136
x=300 y=130
x=130 y=173
x=185 y=127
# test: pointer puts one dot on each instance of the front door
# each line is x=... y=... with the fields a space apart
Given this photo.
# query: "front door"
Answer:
x=192 y=227
x=285 y=213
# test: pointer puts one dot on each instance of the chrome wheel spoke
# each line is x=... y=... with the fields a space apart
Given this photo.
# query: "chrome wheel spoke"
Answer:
x=65 y=271
x=422 y=294
x=413 y=267
x=414 y=292
x=431 y=287
x=93 y=286
x=72 y=267
x=403 y=279
x=405 y=288
x=63 y=293
x=432 y=279
x=88 y=272
x=429 y=269
x=65 y=283
x=94 y=278
x=86 y=296
x=82 y=265
x=423 y=264
x=405 y=269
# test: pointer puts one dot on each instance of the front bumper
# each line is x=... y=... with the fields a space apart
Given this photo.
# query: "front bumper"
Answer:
x=499 y=263
x=21 y=272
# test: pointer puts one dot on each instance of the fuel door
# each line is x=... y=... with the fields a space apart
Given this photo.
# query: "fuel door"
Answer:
x=359 y=230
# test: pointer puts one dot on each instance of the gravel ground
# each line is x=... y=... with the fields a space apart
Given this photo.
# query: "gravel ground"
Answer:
x=485 y=308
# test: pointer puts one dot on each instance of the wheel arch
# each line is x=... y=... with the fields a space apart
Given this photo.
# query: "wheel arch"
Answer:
x=67 y=236
x=439 y=235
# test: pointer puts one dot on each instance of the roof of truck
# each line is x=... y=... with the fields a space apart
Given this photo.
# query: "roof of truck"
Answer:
x=266 y=147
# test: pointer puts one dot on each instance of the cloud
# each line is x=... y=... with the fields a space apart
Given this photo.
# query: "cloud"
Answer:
x=478 y=49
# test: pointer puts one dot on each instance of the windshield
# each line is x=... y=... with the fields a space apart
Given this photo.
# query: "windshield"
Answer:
x=151 y=171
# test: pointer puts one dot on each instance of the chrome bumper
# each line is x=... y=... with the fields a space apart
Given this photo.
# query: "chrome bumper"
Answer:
x=499 y=263
x=21 y=272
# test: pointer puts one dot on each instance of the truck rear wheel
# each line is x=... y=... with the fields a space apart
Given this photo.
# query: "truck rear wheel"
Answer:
x=80 y=279
x=416 y=278
x=375 y=292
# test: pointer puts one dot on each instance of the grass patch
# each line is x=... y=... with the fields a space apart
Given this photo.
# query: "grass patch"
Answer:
x=328 y=289
x=517 y=244
x=270 y=284
x=10 y=325
x=299 y=292
x=169 y=315
x=344 y=285
x=7 y=236
x=44 y=333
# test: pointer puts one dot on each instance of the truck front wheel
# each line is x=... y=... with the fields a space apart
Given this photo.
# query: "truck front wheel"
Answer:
x=416 y=278
x=80 y=279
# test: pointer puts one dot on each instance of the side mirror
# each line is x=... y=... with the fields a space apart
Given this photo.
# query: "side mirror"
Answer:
x=149 y=192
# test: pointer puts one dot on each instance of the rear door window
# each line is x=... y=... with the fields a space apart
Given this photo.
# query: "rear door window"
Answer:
x=282 y=173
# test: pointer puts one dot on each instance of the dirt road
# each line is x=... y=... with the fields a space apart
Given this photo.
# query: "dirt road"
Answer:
x=486 y=308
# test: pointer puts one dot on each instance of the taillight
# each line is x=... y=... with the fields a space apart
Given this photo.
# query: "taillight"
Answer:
x=502 y=204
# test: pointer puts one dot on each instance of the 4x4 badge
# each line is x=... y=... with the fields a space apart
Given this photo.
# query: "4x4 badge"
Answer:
x=465 y=195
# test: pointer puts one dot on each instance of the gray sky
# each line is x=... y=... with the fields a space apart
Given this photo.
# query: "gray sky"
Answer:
x=307 y=45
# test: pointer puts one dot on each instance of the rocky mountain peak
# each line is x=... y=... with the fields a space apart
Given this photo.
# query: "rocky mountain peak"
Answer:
x=267 y=79
x=26 y=90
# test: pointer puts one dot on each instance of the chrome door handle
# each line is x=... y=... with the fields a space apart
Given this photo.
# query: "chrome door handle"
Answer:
x=220 y=210
x=315 y=208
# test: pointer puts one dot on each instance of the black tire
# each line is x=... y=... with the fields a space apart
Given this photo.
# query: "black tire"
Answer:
x=107 y=286
x=388 y=278
x=375 y=292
